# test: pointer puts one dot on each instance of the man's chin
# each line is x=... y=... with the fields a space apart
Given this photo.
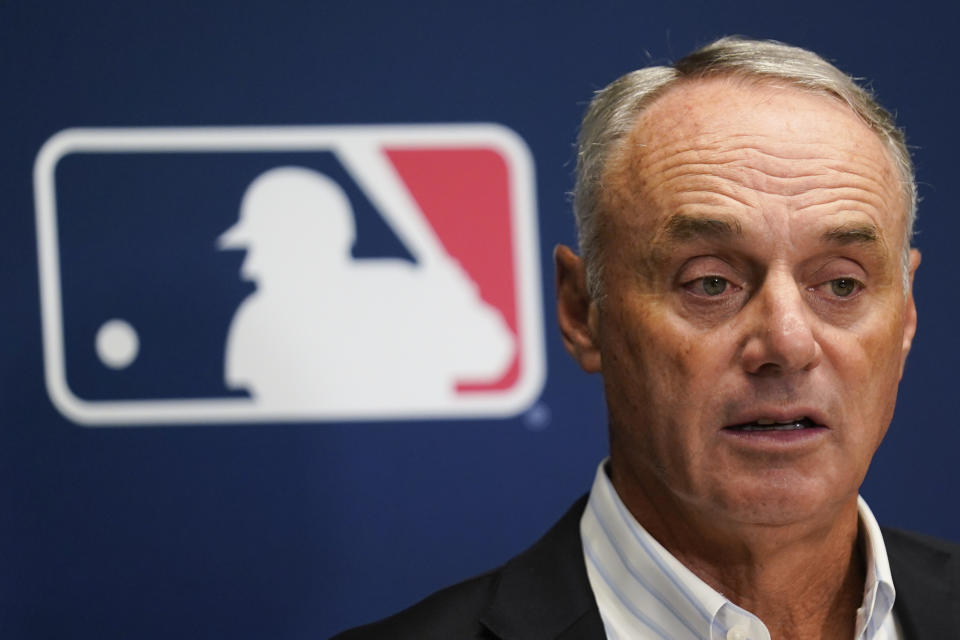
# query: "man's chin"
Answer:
x=776 y=499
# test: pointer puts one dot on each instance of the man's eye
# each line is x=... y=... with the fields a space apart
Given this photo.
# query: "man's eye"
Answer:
x=713 y=285
x=843 y=287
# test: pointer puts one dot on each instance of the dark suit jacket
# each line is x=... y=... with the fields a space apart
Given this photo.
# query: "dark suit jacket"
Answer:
x=544 y=593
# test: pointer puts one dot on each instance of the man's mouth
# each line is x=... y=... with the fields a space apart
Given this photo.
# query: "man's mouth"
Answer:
x=769 y=424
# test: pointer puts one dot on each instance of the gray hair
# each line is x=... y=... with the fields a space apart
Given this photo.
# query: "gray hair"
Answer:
x=614 y=110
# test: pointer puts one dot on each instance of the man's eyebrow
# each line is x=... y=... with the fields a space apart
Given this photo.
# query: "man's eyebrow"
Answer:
x=682 y=226
x=856 y=233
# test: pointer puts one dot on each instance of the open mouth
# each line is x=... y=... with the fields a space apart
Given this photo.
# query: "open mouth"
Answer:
x=764 y=424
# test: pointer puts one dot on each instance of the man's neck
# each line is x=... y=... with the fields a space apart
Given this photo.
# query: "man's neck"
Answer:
x=803 y=580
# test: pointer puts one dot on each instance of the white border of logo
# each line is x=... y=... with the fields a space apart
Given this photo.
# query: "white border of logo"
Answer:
x=526 y=253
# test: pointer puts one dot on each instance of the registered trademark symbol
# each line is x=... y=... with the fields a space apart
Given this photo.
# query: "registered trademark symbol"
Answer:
x=538 y=418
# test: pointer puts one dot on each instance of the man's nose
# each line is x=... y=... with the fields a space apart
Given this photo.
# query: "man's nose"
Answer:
x=781 y=337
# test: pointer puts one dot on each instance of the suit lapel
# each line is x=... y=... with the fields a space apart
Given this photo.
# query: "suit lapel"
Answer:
x=925 y=578
x=544 y=593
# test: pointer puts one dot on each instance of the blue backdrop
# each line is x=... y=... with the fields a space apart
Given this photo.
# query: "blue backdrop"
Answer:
x=298 y=530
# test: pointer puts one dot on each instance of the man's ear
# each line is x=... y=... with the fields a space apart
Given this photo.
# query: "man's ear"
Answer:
x=910 y=316
x=576 y=312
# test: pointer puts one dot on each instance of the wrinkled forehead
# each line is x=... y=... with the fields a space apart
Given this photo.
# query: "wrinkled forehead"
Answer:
x=727 y=126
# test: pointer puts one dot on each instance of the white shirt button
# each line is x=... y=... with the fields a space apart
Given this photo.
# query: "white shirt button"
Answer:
x=737 y=633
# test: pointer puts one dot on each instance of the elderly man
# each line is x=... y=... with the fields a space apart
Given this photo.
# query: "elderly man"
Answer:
x=744 y=290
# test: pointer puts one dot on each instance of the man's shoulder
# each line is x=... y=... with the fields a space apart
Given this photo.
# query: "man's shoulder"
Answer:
x=453 y=612
x=919 y=562
x=911 y=542
x=543 y=592
x=919 y=557
x=926 y=574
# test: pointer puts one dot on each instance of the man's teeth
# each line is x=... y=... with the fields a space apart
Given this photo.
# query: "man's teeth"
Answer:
x=769 y=424
x=773 y=427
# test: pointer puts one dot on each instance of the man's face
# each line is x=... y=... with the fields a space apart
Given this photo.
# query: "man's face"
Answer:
x=753 y=322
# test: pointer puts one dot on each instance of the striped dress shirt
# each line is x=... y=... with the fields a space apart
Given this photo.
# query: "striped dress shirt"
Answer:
x=642 y=591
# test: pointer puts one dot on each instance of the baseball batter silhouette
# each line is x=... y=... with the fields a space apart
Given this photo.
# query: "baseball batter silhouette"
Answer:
x=327 y=332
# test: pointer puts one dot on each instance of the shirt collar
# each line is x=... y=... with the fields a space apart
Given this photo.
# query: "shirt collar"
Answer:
x=878 y=592
x=644 y=591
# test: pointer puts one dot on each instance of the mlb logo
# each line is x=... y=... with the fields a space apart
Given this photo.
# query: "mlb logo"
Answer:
x=268 y=274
